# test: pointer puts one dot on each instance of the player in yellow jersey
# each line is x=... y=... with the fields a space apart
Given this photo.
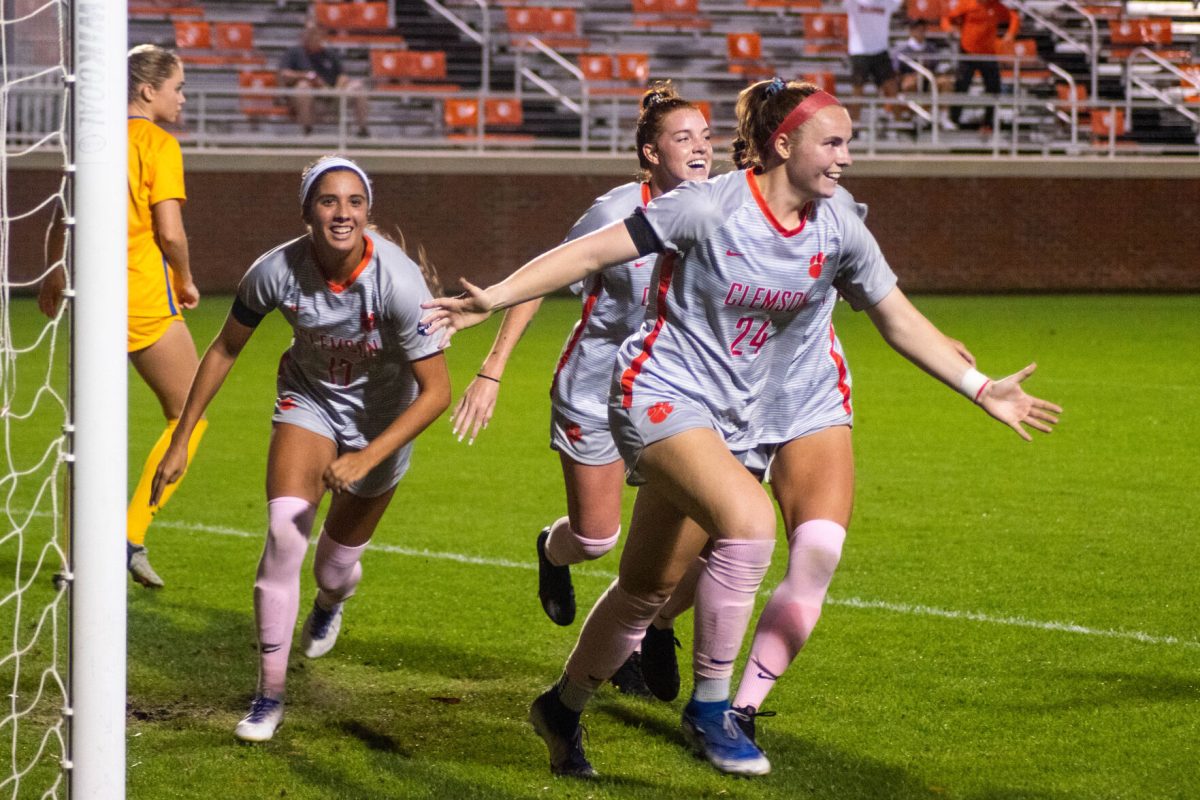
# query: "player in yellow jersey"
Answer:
x=160 y=276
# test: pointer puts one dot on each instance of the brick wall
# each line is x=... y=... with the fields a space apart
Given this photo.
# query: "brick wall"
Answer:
x=957 y=233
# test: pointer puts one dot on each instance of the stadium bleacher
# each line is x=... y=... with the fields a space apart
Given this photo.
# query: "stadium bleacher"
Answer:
x=573 y=69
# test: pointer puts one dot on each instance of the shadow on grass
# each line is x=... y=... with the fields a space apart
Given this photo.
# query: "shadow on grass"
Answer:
x=801 y=767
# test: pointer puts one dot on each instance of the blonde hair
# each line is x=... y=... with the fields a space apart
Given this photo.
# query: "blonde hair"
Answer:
x=150 y=64
x=761 y=107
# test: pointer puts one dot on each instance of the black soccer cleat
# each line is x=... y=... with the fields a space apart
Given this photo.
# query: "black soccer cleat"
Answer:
x=744 y=716
x=628 y=678
x=560 y=729
x=660 y=667
x=554 y=586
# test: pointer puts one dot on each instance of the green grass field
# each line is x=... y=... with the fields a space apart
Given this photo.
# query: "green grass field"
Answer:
x=1010 y=621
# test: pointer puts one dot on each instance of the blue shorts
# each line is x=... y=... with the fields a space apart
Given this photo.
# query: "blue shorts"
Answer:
x=294 y=408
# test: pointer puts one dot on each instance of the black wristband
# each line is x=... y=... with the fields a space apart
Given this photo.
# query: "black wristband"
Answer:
x=486 y=377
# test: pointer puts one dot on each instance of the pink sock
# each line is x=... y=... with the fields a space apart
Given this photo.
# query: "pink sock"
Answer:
x=612 y=631
x=277 y=588
x=684 y=596
x=337 y=569
x=564 y=546
x=794 y=608
x=724 y=602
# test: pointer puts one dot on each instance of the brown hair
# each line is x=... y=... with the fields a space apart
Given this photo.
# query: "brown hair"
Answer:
x=657 y=102
x=150 y=64
x=761 y=107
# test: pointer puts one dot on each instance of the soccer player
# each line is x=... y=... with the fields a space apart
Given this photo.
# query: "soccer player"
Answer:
x=160 y=276
x=674 y=146
x=355 y=388
x=749 y=260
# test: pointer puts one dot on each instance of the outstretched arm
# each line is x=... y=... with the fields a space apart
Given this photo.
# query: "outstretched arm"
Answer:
x=569 y=262
x=474 y=409
x=211 y=373
x=913 y=336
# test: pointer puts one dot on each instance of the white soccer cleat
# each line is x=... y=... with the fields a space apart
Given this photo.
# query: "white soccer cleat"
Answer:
x=320 y=631
x=265 y=717
x=139 y=567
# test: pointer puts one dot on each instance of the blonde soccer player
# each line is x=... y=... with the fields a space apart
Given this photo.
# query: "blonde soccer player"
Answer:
x=160 y=275
x=355 y=388
x=673 y=145
x=747 y=261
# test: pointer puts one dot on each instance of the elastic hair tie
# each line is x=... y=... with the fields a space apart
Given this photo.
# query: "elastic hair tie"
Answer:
x=804 y=112
x=776 y=86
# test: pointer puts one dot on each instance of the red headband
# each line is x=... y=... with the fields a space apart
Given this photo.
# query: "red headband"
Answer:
x=802 y=113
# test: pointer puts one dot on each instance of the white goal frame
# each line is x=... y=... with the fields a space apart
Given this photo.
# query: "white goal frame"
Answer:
x=96 y=700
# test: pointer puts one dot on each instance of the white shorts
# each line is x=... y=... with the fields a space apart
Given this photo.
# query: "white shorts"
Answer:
x=582 y=442
x=294 y=408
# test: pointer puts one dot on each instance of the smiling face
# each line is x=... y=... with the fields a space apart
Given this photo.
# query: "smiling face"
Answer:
x=337 y=217
x=165 y=103
x=682 y=152
x=818 y=152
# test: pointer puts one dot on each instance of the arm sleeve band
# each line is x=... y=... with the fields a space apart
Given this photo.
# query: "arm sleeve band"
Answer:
x=244 y=314
x=644 y=237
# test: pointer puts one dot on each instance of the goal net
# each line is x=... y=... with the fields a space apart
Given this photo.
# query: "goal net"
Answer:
x=62 y=399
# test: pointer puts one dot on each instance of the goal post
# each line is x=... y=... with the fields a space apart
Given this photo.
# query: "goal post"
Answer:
x=96 y=756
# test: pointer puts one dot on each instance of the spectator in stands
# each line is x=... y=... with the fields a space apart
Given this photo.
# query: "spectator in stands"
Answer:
x=869 y=22
x=977 y=24
x=310 y=65
x=930 y=54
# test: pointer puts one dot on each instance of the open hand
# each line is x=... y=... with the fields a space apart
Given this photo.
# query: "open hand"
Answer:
x=1007 y=401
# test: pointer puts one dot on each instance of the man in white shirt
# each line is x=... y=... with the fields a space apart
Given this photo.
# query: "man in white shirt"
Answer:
x=869 y=25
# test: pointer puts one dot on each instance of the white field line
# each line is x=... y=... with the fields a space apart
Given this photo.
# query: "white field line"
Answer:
x=851 y=602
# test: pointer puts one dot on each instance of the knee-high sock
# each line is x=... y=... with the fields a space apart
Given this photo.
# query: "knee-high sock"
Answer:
x=140 y=513
x=337 y=569
x=564 y=546
x=684 y=596
x=611 y=633
x=277 y=588
x=787 y=621
x=724 y=603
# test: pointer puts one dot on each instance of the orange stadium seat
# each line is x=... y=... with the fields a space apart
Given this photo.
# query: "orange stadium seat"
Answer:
x=826 y=80
x=458 y=113
x=825 y=33
x=596 y=67
x=744 y=54
x=351 y=15
x=633 y=67
x=1106 y=121
x=233 y=35
x=1191 y=84
x=254 y=104
x=1144 y=31
x=503 y=112
x=193 y=35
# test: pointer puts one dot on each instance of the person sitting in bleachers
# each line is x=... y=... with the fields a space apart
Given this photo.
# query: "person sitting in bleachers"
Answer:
x=310 y=65
x=929 y=53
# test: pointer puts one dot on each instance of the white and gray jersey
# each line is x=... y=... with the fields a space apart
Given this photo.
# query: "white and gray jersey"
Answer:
x=614 y=305
x=815 y=390
x=352 y=342
x=736 y=295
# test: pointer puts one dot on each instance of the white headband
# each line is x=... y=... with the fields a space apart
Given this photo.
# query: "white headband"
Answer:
x=331 y=163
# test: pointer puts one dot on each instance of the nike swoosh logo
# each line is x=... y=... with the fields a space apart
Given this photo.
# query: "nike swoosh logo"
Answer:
x=637 y=264
x=766 y=677
x=729 y=252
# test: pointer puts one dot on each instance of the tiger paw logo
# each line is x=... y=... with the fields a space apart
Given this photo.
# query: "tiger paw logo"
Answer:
x=815 y=265
x=659 y=411
x=285 y=403
x=368 y=321
x=574 y=432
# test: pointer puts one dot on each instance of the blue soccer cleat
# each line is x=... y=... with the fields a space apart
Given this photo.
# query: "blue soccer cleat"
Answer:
x=713 y=731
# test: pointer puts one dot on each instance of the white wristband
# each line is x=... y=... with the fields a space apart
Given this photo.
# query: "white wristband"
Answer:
x=973 y=383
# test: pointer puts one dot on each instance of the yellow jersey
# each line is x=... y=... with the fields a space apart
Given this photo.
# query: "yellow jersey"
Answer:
x=155 y=174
